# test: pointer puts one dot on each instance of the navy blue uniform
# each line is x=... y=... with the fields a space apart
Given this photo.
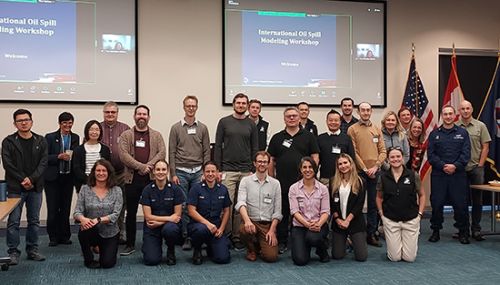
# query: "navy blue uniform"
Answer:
x=449 y=146
x=209 y=204
x=162 y=203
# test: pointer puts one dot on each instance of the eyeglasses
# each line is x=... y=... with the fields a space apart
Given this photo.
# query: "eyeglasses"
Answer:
x=20 y=121
x=262 y=161
x=110 y=112
x=291 y=116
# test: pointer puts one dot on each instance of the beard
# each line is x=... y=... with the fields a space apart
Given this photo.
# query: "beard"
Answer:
x=141 y=123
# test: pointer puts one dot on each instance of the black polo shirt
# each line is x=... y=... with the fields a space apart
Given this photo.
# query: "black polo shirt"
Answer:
x=288 y=150
x=399 y=198
x=330 y=147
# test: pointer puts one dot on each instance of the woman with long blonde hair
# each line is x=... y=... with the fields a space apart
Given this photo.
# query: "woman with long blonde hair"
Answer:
x=348 y=197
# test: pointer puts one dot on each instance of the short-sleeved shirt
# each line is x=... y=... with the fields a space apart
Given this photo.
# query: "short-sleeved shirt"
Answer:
x=209 y=202
x=162 y=201
x=478 y=134
x=311 y=206
x=288 y=150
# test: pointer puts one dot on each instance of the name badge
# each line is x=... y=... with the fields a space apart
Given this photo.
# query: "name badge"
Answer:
x=192 y=131
x=336 y=150
x=268 y=200
x=140 y=143
x=336 y=200
x=375 y=139
x=287 y=143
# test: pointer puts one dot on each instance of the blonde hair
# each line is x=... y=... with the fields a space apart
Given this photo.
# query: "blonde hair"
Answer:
x=399 y=128
x=421 y=138
x=354 y=179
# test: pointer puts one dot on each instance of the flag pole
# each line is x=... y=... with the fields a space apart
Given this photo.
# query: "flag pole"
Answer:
x=416 y=80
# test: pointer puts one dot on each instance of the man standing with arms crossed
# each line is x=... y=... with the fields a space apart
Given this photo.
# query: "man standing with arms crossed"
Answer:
x=370 y=154
x=140 y=148
x=480 y=146
x=236 y=143
x=24 y=156
x=111 y=131
x=259 y=204
x=287 y=148
x=188 y=150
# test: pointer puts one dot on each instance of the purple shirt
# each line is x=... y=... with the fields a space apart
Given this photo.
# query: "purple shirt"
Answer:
x=310 y=206
x=110 y=137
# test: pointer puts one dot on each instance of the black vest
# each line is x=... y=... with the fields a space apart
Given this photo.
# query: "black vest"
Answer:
x=262 y=127
x=400 y=199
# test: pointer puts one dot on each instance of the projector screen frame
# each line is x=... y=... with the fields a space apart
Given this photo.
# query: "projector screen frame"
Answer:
x=281 y=104
x=99 y=102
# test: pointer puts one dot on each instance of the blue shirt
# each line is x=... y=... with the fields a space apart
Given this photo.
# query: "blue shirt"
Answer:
x=162 y=202
x=209 y=203
x=448 y=146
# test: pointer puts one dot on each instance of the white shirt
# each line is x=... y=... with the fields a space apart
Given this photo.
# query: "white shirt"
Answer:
x=344 y=192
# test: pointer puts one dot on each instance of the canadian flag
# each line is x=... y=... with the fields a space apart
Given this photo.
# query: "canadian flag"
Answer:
x=453 y=94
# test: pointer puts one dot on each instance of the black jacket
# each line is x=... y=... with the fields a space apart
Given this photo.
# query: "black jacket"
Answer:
x=78 y=163
x=55 y=147
x=355 y=204
x=12 y=156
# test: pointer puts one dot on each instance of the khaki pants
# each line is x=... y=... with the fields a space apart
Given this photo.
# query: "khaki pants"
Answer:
x=231 y=181
x=267 y=253
x=402 y=239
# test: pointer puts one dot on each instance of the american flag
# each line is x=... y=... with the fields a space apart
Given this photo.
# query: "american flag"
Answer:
x=416 y=100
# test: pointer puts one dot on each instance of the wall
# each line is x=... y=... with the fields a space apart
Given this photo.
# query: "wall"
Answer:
x=180 y=53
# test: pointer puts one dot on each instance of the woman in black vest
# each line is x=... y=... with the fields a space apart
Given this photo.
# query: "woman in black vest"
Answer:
x=400 y=202
x=348 y=198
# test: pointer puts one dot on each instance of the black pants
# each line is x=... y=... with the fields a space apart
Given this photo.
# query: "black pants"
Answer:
x=133 y=193
x=59 y=194
x=302 y=241
x=358 y=242
x=108 y=247
x=283 y=227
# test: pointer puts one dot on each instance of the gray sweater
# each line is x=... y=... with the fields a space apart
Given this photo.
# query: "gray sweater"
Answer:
x=90 y=206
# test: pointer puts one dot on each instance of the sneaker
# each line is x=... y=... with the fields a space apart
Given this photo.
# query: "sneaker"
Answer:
x=238 y=245
x=282 y=248
x=463 y=238
x=187 y=244
x=171 y=260
x=35 y=255
x=14 y=258
x=127 y=251
x=435 y=236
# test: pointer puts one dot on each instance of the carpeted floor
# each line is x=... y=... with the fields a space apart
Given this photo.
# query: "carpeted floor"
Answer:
x=445 y=262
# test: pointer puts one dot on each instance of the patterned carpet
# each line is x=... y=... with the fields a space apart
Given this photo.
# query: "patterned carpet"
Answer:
x=446 y=262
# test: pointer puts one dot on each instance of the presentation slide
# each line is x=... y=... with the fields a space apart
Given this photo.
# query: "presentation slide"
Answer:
x=68 y=51
x=285 y=49
x=318 y=51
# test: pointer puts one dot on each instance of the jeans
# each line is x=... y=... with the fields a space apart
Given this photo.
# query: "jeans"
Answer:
x=372 y=218
x=186 y=180
x=33 y=201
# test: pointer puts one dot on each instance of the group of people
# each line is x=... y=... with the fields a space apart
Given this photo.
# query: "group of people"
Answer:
x=304 y=187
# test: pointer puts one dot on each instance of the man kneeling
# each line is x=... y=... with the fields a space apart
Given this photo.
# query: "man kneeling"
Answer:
x=259 y=204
